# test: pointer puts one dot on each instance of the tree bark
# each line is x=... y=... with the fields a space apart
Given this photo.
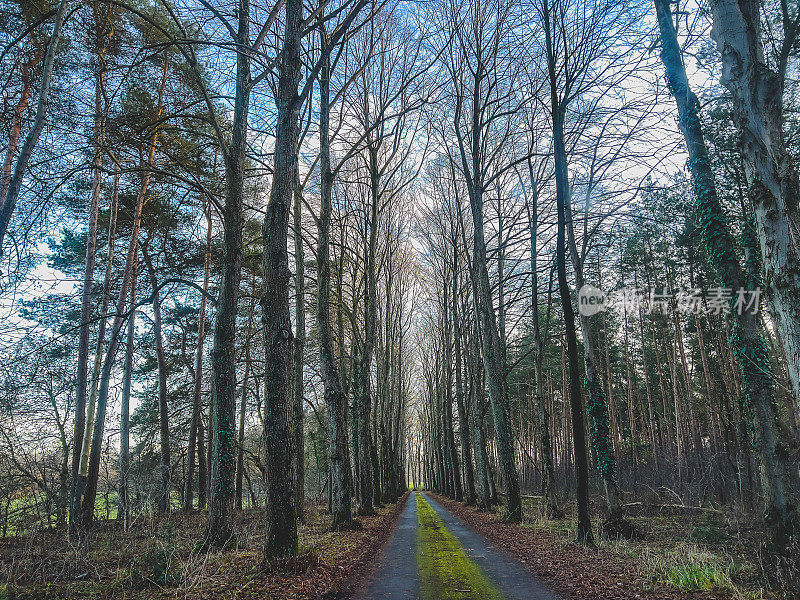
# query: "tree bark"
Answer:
x=748 y=336
x=455 y=472
x=299 y=350
x=757 y=92
x=219 y=528
x=281 y=514
x=477 y=414
x=124 y=427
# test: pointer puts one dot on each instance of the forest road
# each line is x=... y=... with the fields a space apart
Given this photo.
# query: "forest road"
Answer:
x=435 y=556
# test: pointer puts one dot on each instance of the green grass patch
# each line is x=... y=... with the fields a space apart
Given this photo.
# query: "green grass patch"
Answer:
x=696 y=576
x=687 y=568
x=445 y=570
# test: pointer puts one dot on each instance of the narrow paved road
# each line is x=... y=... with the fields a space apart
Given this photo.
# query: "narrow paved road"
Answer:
x=434 y=556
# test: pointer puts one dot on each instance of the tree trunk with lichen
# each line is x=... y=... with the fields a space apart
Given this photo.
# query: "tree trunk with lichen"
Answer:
x=281 y=515
x=747 y=339
x=222 y=427
x=757 y=92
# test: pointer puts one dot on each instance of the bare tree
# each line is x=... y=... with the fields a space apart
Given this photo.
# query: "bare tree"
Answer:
x=485 y=96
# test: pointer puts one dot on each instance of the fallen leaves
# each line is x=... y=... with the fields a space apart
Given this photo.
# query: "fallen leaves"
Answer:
x=571 y=570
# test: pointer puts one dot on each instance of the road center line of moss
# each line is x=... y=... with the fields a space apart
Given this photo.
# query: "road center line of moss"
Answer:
x=445 y=570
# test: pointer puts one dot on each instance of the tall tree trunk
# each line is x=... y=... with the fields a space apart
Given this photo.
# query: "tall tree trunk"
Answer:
x=492 y=348
x=477 y=415
x=542 y=418
x=281 y=515
x=299 y=350
x=83 y=423
x=612 y=404
x=335 y=399
x=652 y=429
x=222 y=428
x=493 y=360
x=458 y=490
x=203 y=461
x=366 y=480
x=240 y=467
x=86 y=514
x=124 y=427
x=90 y=493
x=694 y=436
x=463 y=415
x=748 y=335
x=575 y=396
x=545 y=444
x=596 y=400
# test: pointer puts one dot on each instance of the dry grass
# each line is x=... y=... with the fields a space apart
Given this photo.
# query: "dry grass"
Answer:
x=157 y=559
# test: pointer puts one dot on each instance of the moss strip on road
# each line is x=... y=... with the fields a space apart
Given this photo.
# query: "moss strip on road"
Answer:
x=445 y=570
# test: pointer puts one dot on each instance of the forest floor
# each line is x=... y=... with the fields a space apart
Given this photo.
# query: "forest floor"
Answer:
x=156 y=560
x=434 y=549
x=677 y=555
